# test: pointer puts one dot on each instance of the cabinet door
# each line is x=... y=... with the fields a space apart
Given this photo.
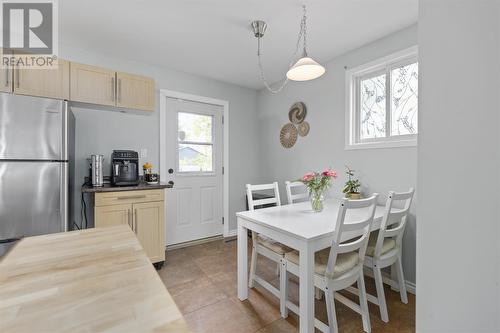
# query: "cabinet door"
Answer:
x=106 y=216
x=52 y=83
x=90 y=84
x=149 y=228
x=5 y=77
x=135 y=92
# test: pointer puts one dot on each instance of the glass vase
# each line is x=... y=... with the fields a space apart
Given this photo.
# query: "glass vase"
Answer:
x=316 y=198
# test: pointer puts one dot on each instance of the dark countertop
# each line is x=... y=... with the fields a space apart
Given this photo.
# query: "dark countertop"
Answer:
x=112 y=188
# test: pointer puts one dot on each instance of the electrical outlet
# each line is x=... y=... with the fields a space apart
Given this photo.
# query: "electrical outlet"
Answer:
x=144 y=153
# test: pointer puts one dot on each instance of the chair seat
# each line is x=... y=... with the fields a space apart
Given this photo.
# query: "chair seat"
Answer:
x=345 y=262
x=272 y=245
x=388 y=245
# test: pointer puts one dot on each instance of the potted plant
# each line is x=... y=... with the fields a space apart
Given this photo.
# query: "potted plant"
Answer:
x=316 y=184
x=351 y=188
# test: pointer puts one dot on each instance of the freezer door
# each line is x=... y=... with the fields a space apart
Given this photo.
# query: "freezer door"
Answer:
x=31 y=128
x=33 y=198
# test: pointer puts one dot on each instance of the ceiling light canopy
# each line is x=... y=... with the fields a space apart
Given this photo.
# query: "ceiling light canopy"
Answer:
x=304 y=69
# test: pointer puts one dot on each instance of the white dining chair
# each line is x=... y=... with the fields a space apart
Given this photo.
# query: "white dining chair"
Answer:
x=263 y=245
x=296 y=192
x=384 y=248
x=340 y=266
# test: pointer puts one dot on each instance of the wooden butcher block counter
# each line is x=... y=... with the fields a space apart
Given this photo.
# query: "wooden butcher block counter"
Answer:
x=95 y=280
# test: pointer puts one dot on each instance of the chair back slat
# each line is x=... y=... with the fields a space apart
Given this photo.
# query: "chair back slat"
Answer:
x=267 y=201
x=353 y=245
x=394 y=231
x=403 y=195
x=355 y=217
x=295 y=197
x=263 y=187
x=359 y=203
x=396 y=215
x=394 y=220
x=353 y=226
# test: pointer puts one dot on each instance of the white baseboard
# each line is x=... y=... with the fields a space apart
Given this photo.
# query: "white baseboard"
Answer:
x=410 y=286
x=231 y=233
x=194 y=242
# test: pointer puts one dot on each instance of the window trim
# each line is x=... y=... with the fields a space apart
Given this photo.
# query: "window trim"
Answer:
x=352 y=78
x=181 y=142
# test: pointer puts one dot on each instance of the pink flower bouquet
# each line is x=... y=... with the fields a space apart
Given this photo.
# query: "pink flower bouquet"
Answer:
x=316 y=184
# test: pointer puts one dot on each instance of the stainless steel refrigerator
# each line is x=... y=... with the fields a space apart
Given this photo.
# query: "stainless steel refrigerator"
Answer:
x=36 y=167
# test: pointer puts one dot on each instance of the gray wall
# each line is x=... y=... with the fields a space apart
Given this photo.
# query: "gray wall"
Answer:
x=380 y=170
x=101 y=131
x=459 y=164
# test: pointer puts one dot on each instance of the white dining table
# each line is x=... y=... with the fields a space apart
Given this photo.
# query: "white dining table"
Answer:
x=298 y=227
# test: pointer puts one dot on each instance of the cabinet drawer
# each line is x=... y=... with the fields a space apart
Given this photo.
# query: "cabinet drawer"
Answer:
x=127 y=197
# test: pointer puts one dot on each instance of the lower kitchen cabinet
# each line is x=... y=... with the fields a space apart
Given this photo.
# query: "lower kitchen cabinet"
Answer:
x=108 y=216
x=143 y=211
x=148 y=226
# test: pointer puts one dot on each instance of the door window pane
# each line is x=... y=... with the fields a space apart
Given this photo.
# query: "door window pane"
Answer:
x=372 y=107
x=404 y=100
x=195 y=158
x=195 y=127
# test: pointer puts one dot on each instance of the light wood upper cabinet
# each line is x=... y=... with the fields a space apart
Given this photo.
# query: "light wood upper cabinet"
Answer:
x=90 y=84
x=149 y=228
x=5 y=78
x=107 y=216
x=82 y=83
x=135 y=92
x=52 y=83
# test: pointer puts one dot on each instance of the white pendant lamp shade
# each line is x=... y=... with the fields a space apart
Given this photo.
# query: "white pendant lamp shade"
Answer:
x=305 y=69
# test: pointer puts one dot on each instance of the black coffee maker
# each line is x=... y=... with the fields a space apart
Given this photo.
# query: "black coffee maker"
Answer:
x=125 y=167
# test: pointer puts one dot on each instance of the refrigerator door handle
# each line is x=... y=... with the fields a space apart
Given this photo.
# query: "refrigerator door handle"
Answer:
x=63 y=192
x=7 y=79
x=64 y=143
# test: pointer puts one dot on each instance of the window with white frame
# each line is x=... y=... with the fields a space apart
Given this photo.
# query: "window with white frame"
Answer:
x=382 y=102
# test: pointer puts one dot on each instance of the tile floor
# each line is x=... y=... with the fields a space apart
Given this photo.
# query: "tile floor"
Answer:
x=202 y=280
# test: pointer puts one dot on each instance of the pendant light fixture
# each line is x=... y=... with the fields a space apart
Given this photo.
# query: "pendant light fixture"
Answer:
x=304 y=69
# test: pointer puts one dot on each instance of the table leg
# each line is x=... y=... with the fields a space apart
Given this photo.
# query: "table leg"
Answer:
x=242 y=262
x=306 y=272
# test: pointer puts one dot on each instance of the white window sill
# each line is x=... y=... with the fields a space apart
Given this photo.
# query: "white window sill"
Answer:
x=382 y=144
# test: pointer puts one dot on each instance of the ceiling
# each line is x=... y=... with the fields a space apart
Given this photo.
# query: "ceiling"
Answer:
x=213 y=38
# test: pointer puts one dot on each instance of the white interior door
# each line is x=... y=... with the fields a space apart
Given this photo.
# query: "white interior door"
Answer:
x=194 y=163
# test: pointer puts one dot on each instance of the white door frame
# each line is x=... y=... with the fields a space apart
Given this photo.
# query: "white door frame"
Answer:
x=164 y=94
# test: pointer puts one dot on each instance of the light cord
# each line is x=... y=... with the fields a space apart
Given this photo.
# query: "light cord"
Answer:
x=302 y=35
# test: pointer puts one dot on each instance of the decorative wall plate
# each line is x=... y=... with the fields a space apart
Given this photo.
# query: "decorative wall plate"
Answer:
x=303 y=128
x=288 y=135
x=297 y=113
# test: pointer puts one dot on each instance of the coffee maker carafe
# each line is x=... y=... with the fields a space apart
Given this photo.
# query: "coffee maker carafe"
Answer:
x=125 y=167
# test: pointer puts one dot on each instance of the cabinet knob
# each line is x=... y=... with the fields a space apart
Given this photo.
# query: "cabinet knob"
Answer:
x=170 y=170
